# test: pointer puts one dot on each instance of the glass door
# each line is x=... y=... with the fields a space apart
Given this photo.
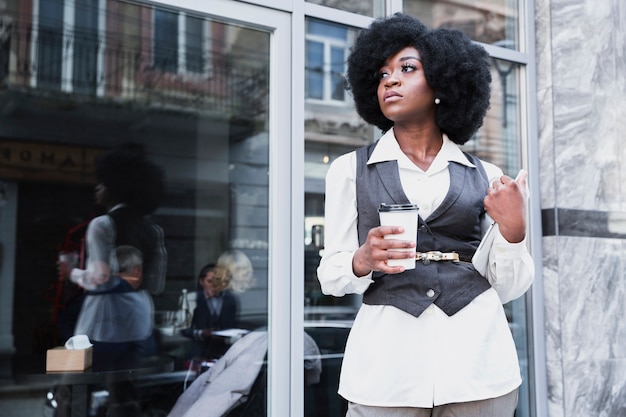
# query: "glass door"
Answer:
x=204 y=88
x=244 y=73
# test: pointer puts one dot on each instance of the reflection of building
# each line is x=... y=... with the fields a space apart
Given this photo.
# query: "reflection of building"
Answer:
x=484 y=22
x=134 y=54
x=78 y=77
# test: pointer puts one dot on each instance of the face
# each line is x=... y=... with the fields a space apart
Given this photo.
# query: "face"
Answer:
x=404 y=95
x=101 y=194
x=206 y=282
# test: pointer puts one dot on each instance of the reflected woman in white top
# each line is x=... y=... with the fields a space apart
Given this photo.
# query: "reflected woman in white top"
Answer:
x=130 y=187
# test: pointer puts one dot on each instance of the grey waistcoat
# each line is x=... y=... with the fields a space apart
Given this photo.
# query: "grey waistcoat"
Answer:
x=453 y=227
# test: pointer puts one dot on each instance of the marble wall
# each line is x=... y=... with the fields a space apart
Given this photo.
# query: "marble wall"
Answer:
x=581 y=85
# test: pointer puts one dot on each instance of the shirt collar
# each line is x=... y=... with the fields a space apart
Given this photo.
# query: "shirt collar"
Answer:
x=218 y=295
x=117 y=206
x=387 y=149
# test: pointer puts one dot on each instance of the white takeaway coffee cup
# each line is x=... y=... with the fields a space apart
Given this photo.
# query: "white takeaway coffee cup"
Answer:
x=404 y=215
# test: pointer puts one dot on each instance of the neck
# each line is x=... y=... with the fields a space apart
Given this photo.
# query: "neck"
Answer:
x=420 y=145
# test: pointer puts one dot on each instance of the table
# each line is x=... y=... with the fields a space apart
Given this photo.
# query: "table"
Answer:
x=34 y=373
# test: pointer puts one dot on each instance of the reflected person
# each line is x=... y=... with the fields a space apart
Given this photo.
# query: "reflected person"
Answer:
x=217 y=303
x=129 y=187
x=217 y=308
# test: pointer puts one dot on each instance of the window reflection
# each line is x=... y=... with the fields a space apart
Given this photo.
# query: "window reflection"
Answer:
x=491 y=21
x=192 y=92
x=373 y=8
x=165 y=40
x=326 y=48
x=332 y=128
x=497 y=141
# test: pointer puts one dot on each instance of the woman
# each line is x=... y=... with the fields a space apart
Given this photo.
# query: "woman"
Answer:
x=433 y=340
x=217 y=308
x=129 y=187
x=217 y=303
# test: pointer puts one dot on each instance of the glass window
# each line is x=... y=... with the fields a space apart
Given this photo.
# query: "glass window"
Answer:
x=50 y=44
x=497 y=141
x=332 y=128
x=85 y=62
x=492 y=21
x=182 y=43
x=165 y=40
x=194 y=55
x=326 y=53
x=315 y=70
x=67 y=52
x=210 y=135
x=372 y=8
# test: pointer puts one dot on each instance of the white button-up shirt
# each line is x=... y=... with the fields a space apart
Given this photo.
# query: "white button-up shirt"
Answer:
x=393 y=358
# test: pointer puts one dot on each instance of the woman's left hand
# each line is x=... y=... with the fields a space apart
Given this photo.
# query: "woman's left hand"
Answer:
x=506 y=204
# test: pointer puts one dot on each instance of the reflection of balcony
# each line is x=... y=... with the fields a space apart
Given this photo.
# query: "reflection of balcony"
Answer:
x=487 y=21
x=50 y=61
x=336 y=128
x=344 y=128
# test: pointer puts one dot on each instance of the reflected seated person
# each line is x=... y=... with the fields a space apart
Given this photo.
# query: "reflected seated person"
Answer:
x=217 y=308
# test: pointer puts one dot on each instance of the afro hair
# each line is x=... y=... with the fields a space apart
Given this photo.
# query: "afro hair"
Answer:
x=455 y=68
x=131 y=178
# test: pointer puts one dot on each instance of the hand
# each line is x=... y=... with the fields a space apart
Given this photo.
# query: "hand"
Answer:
x=188 y=332
x=506 y=204
x=63 y=269
x=67 y=261
x=374 y=253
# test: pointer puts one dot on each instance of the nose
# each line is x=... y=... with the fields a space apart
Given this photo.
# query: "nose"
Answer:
x=391 y=80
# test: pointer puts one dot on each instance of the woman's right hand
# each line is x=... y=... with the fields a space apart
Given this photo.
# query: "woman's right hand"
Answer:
x=374 y=253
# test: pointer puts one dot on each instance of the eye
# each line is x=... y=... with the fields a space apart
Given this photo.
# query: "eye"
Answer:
x=382 y=74
x=408 y=67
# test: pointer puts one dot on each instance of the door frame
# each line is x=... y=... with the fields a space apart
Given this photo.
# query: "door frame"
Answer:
x=285 y=341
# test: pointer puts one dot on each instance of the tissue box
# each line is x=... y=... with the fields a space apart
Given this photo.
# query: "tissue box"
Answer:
x=62 y=359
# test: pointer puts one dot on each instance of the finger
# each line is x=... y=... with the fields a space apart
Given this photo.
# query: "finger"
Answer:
x=505 y=179
x=390 y=269
x=389 y=230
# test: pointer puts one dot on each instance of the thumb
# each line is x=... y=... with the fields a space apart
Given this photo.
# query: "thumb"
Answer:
x=522 y=181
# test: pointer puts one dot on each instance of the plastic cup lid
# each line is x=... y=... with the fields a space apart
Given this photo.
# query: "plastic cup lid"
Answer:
x=397 y=207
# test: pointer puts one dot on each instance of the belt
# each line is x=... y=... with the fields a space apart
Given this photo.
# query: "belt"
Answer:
x=437 y=256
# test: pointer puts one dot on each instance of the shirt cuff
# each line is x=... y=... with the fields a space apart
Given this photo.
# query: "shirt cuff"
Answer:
x=504 y=249
x=359 y=284
x=337 y=278
x=77 y=276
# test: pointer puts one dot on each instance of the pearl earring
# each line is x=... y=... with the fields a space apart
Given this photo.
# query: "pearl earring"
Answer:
x=437 y=101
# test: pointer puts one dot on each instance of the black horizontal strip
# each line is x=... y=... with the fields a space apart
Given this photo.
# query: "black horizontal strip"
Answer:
x=587 y=223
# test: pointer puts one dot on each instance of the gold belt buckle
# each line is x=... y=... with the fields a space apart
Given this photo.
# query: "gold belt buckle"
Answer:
x=436 y=256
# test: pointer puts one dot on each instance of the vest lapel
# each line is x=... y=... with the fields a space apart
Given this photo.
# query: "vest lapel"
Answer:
x=458 y=175
x=390 y=177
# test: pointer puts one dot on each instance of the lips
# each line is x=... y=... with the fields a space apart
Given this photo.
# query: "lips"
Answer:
x=391 y=95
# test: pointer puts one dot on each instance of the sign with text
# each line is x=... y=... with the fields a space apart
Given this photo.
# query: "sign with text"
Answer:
x=36 y=161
